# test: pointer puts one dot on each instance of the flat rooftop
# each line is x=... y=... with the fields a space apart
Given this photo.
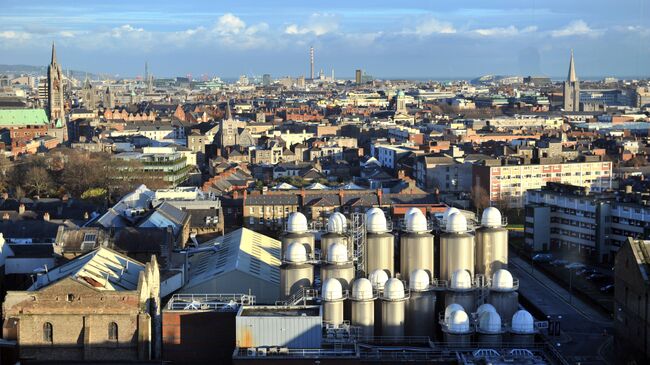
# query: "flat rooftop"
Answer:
x=281 y=311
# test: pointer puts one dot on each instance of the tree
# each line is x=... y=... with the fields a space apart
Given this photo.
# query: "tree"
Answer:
x=5 y=173
x=480 y=197
x=38 y=180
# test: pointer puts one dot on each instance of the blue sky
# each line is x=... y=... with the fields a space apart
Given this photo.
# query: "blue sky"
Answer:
x=398 y=38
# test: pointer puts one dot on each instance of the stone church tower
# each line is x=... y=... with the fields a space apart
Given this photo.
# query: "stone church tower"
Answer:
x=571 y=91
x=228 y=129
x=56 y=108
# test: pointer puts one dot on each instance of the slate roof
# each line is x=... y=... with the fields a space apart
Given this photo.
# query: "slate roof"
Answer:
x=103 y=269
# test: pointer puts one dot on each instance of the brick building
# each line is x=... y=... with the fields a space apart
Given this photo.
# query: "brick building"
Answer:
x=97 y=307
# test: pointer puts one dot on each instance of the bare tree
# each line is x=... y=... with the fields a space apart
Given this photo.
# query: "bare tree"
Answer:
x=480 y=197
x=5 y=172
x=38 y=180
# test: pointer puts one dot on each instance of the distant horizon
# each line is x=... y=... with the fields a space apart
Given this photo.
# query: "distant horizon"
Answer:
x=556 y=78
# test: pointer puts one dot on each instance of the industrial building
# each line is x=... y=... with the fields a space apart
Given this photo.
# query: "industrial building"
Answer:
x=364 y=287
x=242 y=260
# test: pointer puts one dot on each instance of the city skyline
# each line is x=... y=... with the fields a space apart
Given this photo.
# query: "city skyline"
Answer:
x=407 y=40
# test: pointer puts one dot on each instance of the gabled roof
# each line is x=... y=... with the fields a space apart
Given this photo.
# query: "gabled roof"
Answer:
x=103 y=269
x=317 y=186
x=284 y=186
x=242 y=250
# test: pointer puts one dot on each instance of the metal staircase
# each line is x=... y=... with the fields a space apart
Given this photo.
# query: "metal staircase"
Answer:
x=301 y=296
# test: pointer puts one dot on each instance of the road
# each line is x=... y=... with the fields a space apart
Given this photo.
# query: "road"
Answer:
x=583 y=338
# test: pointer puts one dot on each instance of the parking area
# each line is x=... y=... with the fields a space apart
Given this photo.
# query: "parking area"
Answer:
x=591 y=282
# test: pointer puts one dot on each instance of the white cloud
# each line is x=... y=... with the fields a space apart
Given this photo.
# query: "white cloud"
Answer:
x=317 y=24
x=634 y=29
x=504 y=31
x=11 y=35
x=576 y=28
x=433 y=26
x=229 y=24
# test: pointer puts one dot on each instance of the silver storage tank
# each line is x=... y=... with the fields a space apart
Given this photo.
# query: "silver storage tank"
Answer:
x=393 y=309
x=456 y=247
x=491 y=243
x=421 y=305
x=298 y=231
x=363 y=307
x=416 y=245
x=339 y=265
x=332 y=299
x=336 y=233
x=503 y=294
x=461 y=290
x=489 y=328
x=378 y=279
x=295 y=272
x=379 y=252
x=456 y=327
x=440 y=227
x=522 y=328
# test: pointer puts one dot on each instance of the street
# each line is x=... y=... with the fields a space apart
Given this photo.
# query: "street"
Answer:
x=583 y=338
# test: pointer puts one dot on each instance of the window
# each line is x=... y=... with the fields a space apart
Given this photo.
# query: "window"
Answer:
x=48 y=334
x=112 y=331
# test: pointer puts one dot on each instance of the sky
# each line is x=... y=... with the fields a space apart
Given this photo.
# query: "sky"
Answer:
x=387 y=39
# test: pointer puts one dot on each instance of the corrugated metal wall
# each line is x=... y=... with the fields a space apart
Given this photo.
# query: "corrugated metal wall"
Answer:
x=292 y=332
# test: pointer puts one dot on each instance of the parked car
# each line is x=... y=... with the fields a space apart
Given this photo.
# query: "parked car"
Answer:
x=575 y=266
x=543 y=257
x=609 y=288
x=597 y=277
x=559 y=262
x=585 y=271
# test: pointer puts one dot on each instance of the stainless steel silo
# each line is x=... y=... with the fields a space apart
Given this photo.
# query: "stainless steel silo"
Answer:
x=489 y=329
x=421 y=306
x=503 y=294
x=461 y=290
x=332 y=299
x=416 y=245
x=295 y=272
x=456 y=247
x=491 y=243
x=393 y=309
x=456 y=328
x=379 y=250
x=336 y=233
x=378 y=279
x=338 y=265
x=298 y=231
x=363 y=307
x=522 y=328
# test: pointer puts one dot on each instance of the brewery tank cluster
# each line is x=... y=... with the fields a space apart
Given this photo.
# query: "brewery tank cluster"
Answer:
x=388 y=287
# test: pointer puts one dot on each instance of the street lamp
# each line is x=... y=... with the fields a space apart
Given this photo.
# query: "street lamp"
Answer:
x=570 y=285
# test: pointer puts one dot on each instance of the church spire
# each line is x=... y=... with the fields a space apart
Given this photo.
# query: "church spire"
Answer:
x=572 y=70
x=228 y=113
x=53 y=55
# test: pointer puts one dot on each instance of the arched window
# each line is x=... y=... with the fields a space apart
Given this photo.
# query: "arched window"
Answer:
x=48 y=334
x=112 y=331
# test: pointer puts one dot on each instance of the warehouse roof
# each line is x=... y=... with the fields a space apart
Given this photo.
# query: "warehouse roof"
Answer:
x=241 y=250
